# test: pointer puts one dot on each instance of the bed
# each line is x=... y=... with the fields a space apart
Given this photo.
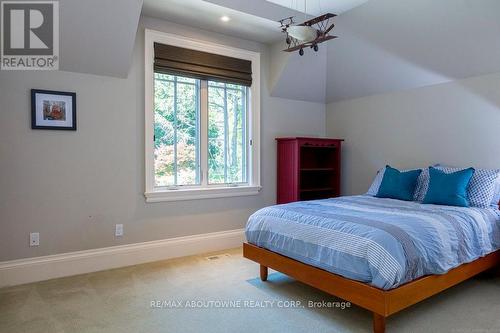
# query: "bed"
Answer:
x=381 y=254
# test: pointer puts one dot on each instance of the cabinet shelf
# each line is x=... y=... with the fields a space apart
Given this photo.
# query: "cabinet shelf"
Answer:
x=308 y=168
x=319 y=189
x=317 y=169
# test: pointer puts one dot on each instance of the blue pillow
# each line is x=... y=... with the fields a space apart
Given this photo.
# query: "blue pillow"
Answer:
x=448 y=188
x=481 y=187
x=397 y=184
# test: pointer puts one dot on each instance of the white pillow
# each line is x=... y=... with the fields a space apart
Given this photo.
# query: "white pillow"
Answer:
x=374 y=187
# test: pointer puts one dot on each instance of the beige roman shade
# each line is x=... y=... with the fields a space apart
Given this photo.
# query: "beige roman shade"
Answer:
x=201 y=65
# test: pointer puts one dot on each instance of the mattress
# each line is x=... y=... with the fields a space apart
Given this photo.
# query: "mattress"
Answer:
x=383 y=242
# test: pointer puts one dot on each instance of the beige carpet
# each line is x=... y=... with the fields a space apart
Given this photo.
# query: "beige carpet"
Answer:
x=119 y=300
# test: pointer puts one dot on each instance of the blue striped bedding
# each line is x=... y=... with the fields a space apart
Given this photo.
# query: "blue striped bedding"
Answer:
x=383 y=242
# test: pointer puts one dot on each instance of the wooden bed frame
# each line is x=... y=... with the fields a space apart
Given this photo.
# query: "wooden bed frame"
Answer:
x=382 y=303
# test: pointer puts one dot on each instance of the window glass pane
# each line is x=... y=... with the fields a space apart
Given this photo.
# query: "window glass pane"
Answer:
x=234 y=86
x=186 y=80
x=216 y=135
x=227 y=135
x=176 y=129
x=216 y=84
x=163 y=77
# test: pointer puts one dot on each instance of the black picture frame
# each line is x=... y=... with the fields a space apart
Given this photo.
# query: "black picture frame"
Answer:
x=36 y=110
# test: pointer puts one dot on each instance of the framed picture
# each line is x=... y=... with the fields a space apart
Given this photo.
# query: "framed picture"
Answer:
x=53 y=110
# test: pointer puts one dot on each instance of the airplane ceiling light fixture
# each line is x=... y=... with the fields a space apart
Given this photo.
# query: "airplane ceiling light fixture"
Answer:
x=307 y=34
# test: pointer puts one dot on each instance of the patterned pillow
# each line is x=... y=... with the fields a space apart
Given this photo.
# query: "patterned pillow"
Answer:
x=481 y=187
x=422 y=185
x=496 y=193
x=421 y=180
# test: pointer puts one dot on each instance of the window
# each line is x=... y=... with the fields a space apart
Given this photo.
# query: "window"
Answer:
x=176 y=131
x=227 y=139
x=201 y=132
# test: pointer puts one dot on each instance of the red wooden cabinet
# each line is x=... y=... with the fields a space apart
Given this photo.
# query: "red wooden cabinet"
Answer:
x=308 y=168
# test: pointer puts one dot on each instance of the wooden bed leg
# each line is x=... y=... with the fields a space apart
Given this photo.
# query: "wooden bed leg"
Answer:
x=378 y=323
x=263 y=273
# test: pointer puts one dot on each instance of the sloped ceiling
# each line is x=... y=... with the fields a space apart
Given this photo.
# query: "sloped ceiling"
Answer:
x=295 y=77
x=270 y=10
x=255 y=20
x=290 y=76
x=318 y=7
x=388 y=45
x=97 y=36
x=383 y=45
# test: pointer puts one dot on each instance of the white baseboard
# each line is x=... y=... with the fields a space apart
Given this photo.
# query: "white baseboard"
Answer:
x=28 y=270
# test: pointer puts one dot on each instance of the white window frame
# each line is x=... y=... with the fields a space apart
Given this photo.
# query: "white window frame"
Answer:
x=155 y=194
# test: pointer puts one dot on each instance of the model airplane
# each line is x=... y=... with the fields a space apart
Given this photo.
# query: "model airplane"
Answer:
x=307 y=34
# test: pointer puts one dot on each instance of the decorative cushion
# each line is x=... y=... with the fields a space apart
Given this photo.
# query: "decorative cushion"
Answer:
x=481 y=188
x=448 y=188
x=422 y=185
x=496 y=193
x=397 y=184
x=421 y=188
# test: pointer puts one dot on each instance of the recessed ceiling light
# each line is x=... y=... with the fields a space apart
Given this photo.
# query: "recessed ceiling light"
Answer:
x=225 y=18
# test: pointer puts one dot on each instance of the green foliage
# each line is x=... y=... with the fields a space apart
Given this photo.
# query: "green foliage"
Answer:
x=177 y=118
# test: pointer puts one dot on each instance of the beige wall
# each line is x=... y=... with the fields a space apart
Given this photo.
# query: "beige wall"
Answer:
x=455 y=123
x=73 y=187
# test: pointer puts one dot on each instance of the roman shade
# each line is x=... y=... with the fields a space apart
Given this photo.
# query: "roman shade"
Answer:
x=201 y=65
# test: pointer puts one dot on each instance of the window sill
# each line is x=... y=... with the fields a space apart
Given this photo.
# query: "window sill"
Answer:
x=201 y=193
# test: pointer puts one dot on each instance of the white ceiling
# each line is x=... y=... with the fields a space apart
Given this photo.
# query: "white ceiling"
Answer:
x=383 y=45
x=301 y=78
x=389 y=45
x=250 y=19
x=97 y=36
x=254 y=20
x=318 y=7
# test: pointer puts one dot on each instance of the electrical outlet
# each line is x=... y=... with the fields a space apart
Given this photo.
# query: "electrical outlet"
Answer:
x=34 y=239
x=119 y=230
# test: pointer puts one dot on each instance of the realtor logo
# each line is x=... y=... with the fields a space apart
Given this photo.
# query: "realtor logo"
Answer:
x=30 y=35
